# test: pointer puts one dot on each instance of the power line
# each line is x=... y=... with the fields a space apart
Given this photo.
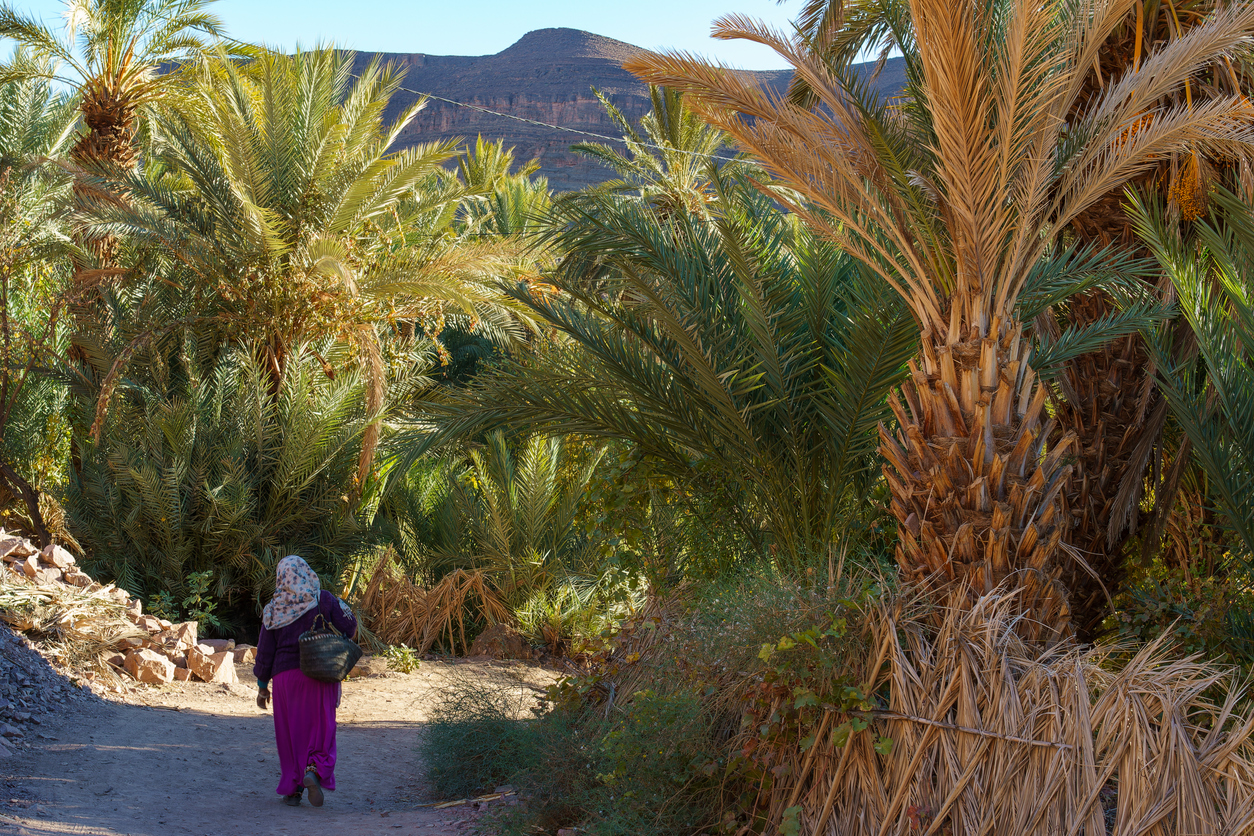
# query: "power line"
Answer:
x=624 y=140
x=515 y=117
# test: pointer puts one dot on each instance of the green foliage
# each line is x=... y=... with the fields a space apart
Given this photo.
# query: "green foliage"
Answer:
x=667 y=160
x=512 y=510
x=560 y=618
x=645 y=770
x=653 y=528
x=1202 y=614
x=1210 y=387
x=115 y=47
x=478 y=736
x=743 y=354
x=295 y=220
x=36 y=124
x=198 y=604
x=204 y=470
x=646 y=741
x=501 y=202
x=402 y=658
x=162 y=605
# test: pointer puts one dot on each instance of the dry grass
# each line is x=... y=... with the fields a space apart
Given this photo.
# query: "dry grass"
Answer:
x=994 y=735
x=77 y=626
x=398 y=611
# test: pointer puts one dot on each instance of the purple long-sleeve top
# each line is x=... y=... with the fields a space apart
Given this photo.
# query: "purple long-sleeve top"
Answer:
x=279 y=650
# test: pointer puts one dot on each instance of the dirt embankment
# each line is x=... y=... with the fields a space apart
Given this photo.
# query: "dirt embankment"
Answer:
x=199 y=759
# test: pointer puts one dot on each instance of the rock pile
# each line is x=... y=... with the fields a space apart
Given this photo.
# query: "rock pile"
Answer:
x=30 y=689
x=175 y=653
x=159 y=651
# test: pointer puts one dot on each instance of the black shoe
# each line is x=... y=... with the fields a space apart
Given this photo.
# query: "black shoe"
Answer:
x=315 y=788
x=293 y=800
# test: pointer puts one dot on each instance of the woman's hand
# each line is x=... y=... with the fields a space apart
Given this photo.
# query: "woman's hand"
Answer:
x=263 y=698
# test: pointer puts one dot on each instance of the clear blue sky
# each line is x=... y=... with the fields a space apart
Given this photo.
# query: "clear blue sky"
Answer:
x=449 y=27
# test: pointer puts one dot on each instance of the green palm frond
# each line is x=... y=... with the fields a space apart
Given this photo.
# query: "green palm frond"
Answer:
x=745 y=349
x=213 y=473
x=1209 y=385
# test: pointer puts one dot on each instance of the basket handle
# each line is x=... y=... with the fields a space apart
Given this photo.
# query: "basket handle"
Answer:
x=326 y=625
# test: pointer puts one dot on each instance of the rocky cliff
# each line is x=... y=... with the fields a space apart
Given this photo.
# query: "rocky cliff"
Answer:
x=548 y=77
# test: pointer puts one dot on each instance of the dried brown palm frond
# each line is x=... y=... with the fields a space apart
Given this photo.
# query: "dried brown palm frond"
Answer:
x=398 y=611
x=994 y=735
x=77 y=625
x=950 y=200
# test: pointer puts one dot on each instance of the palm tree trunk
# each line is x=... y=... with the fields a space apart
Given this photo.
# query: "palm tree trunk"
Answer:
x=108 y=145
x=30 y=497
x=1113 y=411
x=977 y=497
x=1109 y=405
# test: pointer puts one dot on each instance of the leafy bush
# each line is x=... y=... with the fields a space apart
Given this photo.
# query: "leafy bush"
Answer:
x=478 y=737
x=402 y=658
x=198 y=606
x=207 y=470
x=646 y=770
x=671 y=727
x=562 y=617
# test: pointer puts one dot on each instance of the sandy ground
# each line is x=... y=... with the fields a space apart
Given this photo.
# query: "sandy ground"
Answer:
x=200 y=760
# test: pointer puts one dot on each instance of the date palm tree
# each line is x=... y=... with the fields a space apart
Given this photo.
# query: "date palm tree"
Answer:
x=1109 y=398
x=734 y=349
x=1209 y=386
x=113 y=53
x=953 y=199
x=293 y=219
x=36 y=124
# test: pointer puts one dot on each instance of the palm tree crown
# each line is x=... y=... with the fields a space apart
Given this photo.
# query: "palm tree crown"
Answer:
x=952 y=199
x=115 y=51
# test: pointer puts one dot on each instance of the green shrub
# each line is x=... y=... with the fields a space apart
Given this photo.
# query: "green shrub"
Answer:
x=478 y=737
x=648 y=769
x=402 y=658
x=208 y=471
x=674 y=722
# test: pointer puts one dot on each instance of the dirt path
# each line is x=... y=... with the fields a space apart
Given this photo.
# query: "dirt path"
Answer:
x=200 y=760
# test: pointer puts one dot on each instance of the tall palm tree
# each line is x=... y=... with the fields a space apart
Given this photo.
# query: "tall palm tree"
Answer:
x=953 y=200
x=501 y=201
x=666 y=158
x=294 y=219
x=113 y=52
x=36 y=124
x=1109 y=400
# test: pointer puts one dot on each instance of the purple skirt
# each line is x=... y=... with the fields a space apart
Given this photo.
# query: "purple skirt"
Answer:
x=304 y=729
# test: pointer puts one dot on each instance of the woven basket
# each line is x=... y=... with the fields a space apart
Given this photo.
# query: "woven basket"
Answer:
x=325 y=655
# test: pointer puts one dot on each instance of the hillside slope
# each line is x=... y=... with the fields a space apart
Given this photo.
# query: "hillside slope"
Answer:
x=548 y=77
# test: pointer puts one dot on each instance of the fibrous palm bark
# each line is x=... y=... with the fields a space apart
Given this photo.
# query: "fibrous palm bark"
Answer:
x=976 y=496
x=1110 y=401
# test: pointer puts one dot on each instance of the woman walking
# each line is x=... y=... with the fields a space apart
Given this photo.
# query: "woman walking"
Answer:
x=304 y=709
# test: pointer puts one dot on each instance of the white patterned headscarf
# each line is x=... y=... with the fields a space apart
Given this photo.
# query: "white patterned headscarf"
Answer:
x=296 y=592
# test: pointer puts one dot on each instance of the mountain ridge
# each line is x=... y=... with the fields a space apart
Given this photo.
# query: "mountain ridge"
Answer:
x=546 y=76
